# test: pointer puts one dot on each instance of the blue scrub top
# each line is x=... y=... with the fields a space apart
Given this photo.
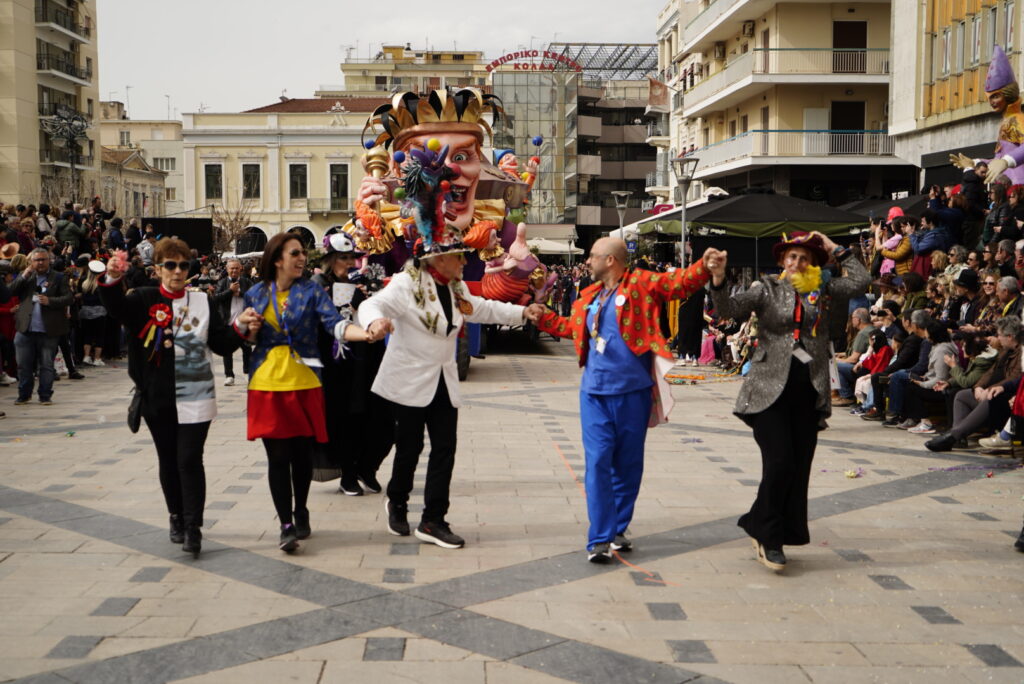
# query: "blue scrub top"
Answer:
x=618 y=370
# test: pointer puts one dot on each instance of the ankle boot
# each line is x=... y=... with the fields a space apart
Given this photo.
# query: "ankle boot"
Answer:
x=177 y=533
x=302 y=528
x=193 y=541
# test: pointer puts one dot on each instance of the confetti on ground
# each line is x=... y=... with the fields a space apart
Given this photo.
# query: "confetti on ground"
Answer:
x=70 y=434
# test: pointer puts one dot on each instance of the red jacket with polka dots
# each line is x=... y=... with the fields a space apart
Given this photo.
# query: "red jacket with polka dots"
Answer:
x=645 y=293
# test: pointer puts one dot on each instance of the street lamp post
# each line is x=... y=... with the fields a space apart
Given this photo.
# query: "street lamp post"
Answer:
x=684 y=168
x=621 y=202
x=67 y=127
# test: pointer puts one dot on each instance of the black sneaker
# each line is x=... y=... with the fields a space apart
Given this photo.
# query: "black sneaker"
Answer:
x=1019 y=544
x=943 y=442
x=193 y=541
x=600 y=553
x=439 y=533
x=302 y=529
x=75 y=375
x=398 y=520
x=622 y=543
x=350 y=486
x=177 y=533
x=21 y=402
x=370 y=483
x=893 y=422
x=289 y=539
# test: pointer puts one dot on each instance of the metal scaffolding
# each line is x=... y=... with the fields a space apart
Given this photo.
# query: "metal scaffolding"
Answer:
x=610 y=61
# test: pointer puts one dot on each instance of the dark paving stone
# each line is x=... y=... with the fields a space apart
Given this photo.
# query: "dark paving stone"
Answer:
x=481 y=634
x=560 y=439
x=666 y=611
x=731 y=469
x=390 y=608
x=840 y=451
x=405 y=549
x=209 y=522
x=691 y=651
x=251 y=476
x=284 y=578
x=84 y=473
x=115 y=607
x=128 y=450
x=578 y=662
x=5 y=520
x=556 y=432
x=151 y=574
x=992 y=655
x=749 y=483
x=237 y=489
x=717 y=459
x=108 y=461
x=861 y=461
x=57 y=488
x=890 y=582
x=399 y=575
x=74 y=647
x=220 y=506
x=980 y=516
x=701 y=448
x=936 y=615
x=853 y=555
x=642 y=579
x=384 y=649
x=945 y=499
x=885 y=472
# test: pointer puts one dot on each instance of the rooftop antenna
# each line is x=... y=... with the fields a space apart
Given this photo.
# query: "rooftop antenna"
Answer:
x=283 y=97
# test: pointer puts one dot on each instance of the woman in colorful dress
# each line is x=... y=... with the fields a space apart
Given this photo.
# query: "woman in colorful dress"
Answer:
x=171 y=332
x=286 y=400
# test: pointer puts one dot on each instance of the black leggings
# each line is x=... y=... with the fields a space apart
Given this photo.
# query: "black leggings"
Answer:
x=179 y=449
x=290 y=468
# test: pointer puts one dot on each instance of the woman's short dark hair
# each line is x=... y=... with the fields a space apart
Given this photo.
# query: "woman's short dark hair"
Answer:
x=913 y=281
x=937 y=332
x=272 y=253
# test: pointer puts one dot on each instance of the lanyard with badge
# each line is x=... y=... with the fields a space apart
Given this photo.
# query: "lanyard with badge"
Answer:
x=596 y=306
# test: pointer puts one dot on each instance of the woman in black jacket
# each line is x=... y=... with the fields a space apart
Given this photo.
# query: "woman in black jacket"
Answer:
x=171 y=332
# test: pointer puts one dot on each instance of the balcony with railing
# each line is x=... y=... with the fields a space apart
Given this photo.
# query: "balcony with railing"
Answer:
x=63 y=66
x=327 y=205
x=748 y=73
x=658 y=181
x=60 y=156
x=62 y=19
x=657 y=135
x=767 y=147
x=715 y=10
x=51 y=108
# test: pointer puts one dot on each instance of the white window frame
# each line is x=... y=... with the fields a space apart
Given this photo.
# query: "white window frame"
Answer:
x=290 y=164
x=125 y=138
x=1008 y=25
x=222 y=183
x=947 y=47
x=170 y=194
x=959 y=47
x=976 y=40
x=993 y=30
x=348 y=174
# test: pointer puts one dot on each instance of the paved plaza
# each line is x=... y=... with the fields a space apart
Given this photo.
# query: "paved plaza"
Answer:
x=911 y=575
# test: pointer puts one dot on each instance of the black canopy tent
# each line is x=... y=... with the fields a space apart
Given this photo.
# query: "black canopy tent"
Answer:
x=747 y=225
x=911 y=206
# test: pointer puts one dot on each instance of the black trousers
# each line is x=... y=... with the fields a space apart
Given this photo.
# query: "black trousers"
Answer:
x=289 y=472
x=179 y=449
x=787 y=433
x=441 y=420
x=919 y=402
x=64 y=343
x=229 y=362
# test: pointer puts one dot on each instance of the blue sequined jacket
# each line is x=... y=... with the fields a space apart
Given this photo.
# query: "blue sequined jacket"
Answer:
x=306 y=306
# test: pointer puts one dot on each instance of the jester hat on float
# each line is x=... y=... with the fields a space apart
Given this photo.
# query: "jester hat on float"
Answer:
x=1000 y=73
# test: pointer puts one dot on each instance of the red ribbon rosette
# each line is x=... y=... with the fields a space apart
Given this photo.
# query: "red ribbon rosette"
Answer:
x=160 y=316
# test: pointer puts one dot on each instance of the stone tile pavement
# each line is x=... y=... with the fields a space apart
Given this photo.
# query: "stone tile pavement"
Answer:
x=910 y=576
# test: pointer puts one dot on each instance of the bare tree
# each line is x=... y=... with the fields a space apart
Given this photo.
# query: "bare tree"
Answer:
x=230 y=220
x=54 y=190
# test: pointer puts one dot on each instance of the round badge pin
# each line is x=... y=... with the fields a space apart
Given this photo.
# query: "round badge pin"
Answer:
x=620 y=300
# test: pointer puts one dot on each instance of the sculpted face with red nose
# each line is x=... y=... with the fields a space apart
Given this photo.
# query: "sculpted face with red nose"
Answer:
x=464 y=159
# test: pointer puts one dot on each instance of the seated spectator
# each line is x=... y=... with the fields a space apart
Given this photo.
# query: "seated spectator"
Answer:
x=860 y=323
x=877 y=360
x=957 y=261
x=973 y=409
x=913 y=292
x=1008 y=292
x=926 y=390
x=908 y=356
x=1005 y=258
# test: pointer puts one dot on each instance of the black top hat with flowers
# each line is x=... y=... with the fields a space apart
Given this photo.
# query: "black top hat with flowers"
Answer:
x=812 y=242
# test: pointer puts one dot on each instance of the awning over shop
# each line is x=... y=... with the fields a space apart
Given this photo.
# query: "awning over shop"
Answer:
x=545 y=246
x=551 y=231
x=912 y=205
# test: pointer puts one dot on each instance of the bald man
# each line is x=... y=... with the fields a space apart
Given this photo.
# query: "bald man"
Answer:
x=614 y=325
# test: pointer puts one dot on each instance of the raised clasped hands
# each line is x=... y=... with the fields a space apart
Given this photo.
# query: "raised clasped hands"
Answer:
x=715 y=261
x=378 y=329
x=534 y=312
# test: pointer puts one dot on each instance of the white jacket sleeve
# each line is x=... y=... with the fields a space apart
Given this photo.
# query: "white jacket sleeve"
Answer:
x=391 y=302
x=491 y=311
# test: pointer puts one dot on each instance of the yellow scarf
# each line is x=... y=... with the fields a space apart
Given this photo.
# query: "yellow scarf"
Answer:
x=805 y=281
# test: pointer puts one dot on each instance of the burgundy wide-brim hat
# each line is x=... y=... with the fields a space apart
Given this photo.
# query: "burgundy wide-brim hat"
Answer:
x=809 y=241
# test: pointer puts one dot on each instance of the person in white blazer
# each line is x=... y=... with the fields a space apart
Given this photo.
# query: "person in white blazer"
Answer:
x=424 y=307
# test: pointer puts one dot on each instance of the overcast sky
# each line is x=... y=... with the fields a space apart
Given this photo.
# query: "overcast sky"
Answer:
x=232 y=55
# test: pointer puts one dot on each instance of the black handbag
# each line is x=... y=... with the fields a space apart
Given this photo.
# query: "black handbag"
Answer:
x=135 y=411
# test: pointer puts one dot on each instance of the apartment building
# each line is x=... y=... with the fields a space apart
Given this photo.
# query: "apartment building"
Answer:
x=158 y=144
x=939 y=62
x=48 y=59
x=397 y=68
x=791 y=96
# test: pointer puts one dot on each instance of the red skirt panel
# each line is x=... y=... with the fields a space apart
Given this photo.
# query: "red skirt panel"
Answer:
x=280 y=415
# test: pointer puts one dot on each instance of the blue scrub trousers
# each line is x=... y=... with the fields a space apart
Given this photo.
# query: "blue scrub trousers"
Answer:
x=614 y=431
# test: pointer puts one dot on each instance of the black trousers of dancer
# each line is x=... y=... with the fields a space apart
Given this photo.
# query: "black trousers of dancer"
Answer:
x=179 y=450
x=229 y=362
x=290 y=472
x=441 y=420
x=787 y=432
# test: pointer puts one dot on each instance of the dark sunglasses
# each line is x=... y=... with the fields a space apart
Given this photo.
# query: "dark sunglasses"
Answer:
x=989 y=283
x=296 y=252
x=171 y=265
